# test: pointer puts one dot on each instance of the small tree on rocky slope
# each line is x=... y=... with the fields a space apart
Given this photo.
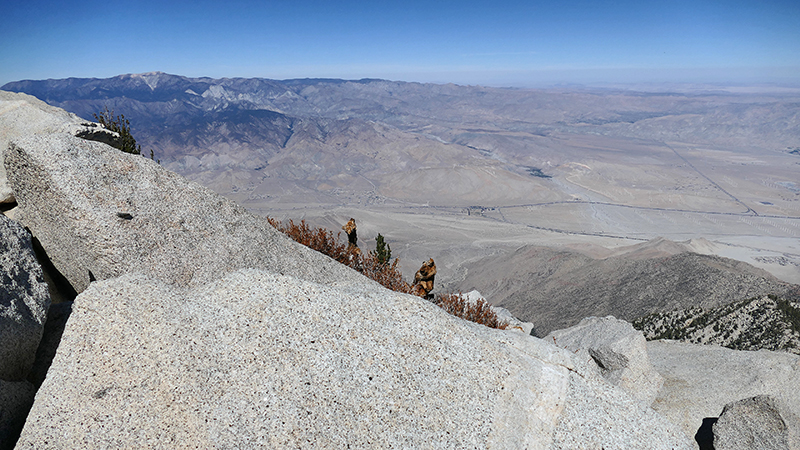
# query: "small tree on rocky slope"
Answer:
x=383 y=251
x=121 y=125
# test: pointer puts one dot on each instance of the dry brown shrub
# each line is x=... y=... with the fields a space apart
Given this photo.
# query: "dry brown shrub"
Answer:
x=325 y=242
x=387 y=274
x=479 y=311
x=318 y=239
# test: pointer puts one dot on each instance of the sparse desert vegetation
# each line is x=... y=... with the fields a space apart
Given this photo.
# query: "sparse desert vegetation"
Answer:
x=767 y=322
x=478 y=311
x=378 y=265
x=119 y=124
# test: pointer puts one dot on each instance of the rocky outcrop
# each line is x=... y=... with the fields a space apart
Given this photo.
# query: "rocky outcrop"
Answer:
x=261 y=359
x=593 y=415
x=23 y=115
x=618 y=350
x=767 y=322
x=100 y=213
x=24 y=300
x=699 y=380
x=755 y=422
x=423 y=279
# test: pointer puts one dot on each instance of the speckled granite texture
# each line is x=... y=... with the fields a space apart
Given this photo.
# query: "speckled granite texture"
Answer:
x=262 y=360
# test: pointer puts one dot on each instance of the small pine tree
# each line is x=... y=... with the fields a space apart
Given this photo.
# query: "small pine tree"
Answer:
x=383 y=251
x=122 y=126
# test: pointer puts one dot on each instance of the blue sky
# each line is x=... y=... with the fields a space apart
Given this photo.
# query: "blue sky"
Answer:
x=500 y=43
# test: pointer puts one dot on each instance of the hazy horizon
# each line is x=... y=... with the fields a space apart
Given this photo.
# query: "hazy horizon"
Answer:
x=514 y=44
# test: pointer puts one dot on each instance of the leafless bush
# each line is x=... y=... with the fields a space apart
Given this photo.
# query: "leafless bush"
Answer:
x=325 y=242
x=384 y=272
x=478 y=311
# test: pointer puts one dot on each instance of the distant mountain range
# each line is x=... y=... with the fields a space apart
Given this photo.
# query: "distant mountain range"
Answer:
x=334 y=141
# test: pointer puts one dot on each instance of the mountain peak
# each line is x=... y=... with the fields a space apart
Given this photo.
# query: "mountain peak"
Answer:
x=152 y=79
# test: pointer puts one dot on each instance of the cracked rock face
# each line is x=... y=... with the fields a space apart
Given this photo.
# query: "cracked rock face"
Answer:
x=24 y=300
x=618 y=350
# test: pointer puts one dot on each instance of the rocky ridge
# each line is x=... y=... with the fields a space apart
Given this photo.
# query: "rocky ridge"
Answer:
x=556 y=288
x=767 y=322
x=408 y=104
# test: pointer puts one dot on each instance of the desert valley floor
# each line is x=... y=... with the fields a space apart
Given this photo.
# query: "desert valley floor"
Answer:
x=737 y=204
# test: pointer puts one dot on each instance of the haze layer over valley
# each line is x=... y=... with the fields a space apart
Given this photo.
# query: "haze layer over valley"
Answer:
x=460 y=173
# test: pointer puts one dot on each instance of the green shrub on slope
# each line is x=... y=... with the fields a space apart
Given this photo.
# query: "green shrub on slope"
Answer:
x=121 y=125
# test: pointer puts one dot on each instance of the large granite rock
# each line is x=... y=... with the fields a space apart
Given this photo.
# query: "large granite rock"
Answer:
x=755 y=422
x=699 y=380
x=100 y=213
x=597 y=416
x=24 y=300
x=16 y=398
x=23 y=115
x=256 y=359
x=618 y=350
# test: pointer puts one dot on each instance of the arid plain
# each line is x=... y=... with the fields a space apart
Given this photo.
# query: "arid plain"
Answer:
x=603 y=193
